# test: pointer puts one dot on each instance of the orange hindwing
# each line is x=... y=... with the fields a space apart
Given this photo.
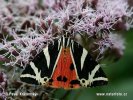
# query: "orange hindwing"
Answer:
x=64 y=72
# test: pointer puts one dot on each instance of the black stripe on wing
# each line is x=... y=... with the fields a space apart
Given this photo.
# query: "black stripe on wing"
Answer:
x=89 y=63
x=90 y=74
x=40 y=64
x=28 y=70
x=98 y=74
x=54 y=50
x=29 y=80
x=98 y=83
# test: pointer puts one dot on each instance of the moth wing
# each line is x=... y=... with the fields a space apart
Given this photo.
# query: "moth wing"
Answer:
x=89 y=72
x=40 y=69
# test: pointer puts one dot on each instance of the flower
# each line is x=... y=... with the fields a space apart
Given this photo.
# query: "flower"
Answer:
x=3 y=85
x=118 y=43
x=23 y=47
x=27 y=26
x=114 y=43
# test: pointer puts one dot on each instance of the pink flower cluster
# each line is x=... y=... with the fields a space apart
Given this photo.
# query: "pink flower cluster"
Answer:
x=3 y=84
x=27 y=26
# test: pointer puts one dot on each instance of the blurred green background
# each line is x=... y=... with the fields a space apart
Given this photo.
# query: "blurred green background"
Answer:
x=120 y=75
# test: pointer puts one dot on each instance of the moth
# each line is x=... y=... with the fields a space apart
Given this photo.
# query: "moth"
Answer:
x=64 y=64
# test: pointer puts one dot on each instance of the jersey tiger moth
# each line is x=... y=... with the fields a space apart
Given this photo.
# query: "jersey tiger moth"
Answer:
x=64 y=64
